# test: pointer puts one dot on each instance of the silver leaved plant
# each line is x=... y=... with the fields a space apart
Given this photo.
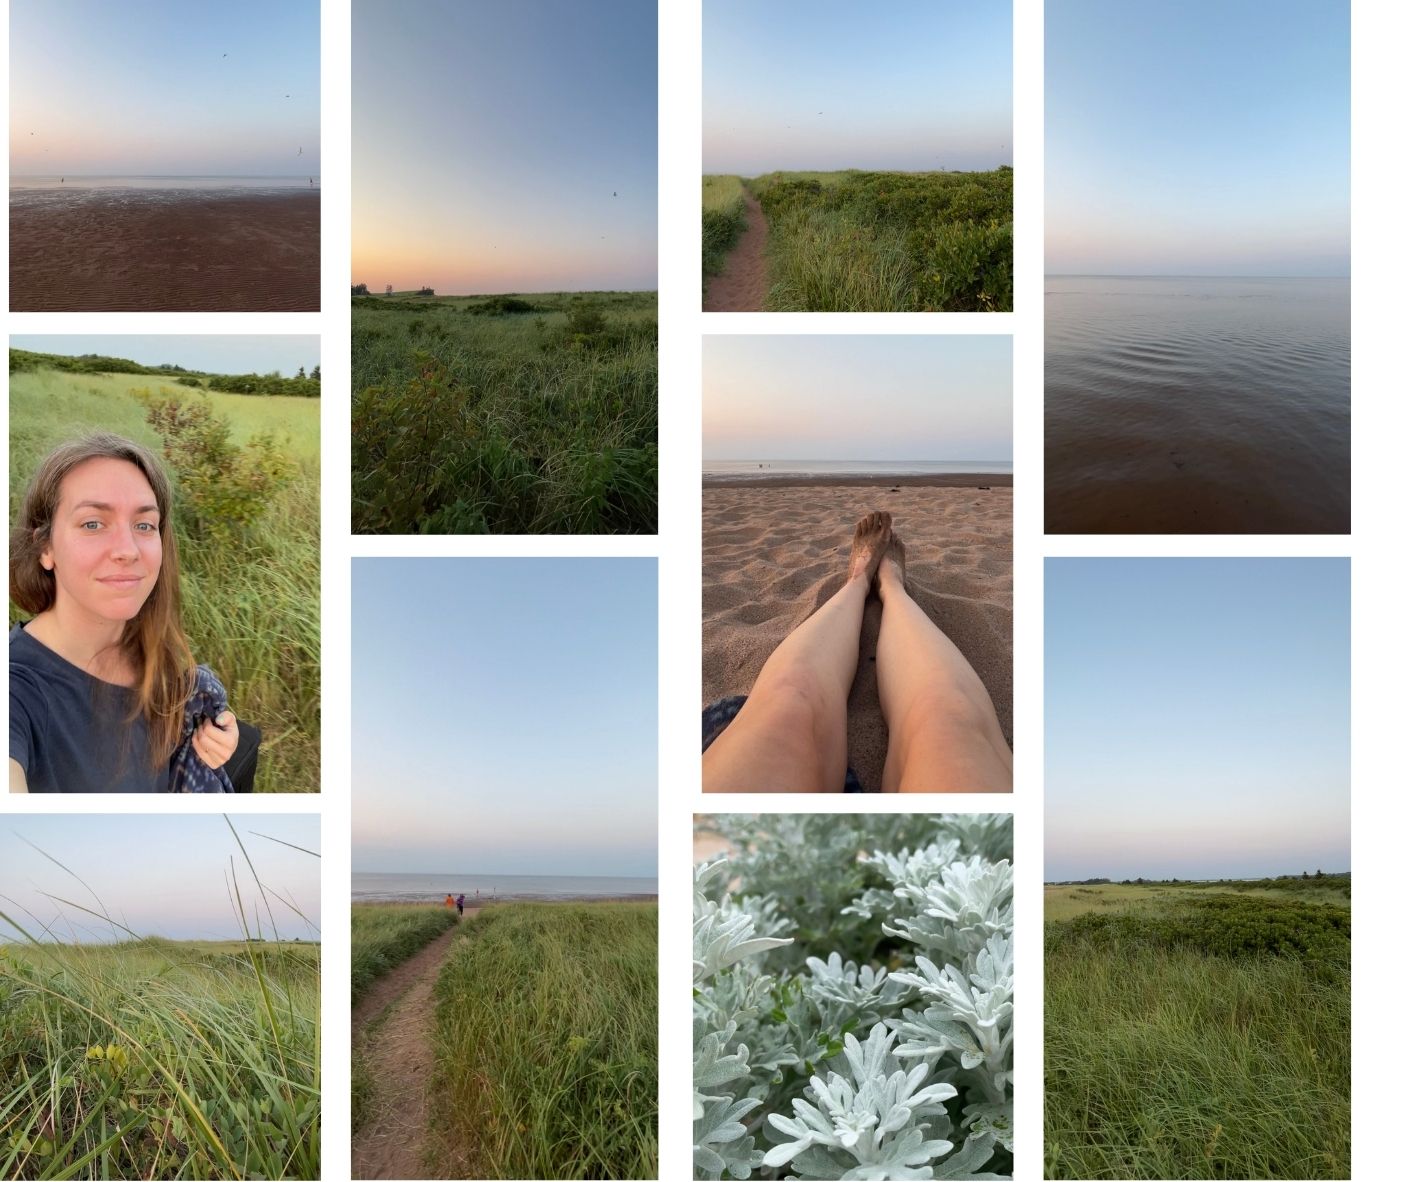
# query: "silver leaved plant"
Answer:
x=855 y=1022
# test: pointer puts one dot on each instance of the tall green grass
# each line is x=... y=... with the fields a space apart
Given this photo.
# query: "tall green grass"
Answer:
x=149 y=1058
x=251 y=606
x=889 y=241
x=1204 y=1038
x=469 y=419
x=546 y=1043
x=385 y=934
x=722 y=220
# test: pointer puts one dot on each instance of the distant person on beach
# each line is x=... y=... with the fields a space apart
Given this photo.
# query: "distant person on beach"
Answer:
x=450 y=901
x=105 y=695
x=790 y=733
x=460 y=903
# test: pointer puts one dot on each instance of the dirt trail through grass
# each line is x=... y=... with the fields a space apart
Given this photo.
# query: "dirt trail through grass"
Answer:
x=743 y=284
x=392 y=1026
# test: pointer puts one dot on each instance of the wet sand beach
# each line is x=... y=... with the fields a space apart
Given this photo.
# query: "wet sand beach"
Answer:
x=119 y=250
x=774 y=550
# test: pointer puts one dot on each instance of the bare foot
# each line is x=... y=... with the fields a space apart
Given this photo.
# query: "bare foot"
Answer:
x=868 y=545
x=891 y=574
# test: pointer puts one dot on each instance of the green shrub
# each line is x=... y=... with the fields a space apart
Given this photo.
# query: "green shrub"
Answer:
x=223 y=489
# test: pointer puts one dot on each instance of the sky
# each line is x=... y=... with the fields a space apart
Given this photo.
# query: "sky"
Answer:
x=209 y=354
x=826 y=84
x=858 y=398
x=504 y=147
x=156 y=875
x=1198 y=137
x=1197 y=717
x=504 y=716
x=164 y=88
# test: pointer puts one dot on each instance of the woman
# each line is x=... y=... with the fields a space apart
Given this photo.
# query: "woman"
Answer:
x=790 y=734
x=105 y=695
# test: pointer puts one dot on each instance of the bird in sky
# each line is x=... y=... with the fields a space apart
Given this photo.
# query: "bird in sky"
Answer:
x=224 y=55
x=614 y=193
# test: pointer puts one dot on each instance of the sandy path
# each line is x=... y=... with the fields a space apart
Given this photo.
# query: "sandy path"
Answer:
x=743 y=284
x=400 y=1057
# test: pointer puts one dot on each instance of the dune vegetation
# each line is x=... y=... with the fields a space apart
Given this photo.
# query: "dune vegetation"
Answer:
x=857 y=241
x=385 y=934
x=143 y=1057
x=246 y=472
x=722 y=219
x=546 y=1062
x=504 y=414
x=1198 y=1030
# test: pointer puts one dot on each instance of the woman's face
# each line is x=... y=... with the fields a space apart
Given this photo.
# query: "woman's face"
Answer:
x=105 y=545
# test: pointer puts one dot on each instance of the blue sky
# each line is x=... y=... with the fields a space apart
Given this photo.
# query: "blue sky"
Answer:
x=827 y=84
x=858 y=398
x=1198 y=137
x=164 y=88
x=211 y=354
x=157 y=874
x=504 y=715
x=489 y=140
x=1197 y=717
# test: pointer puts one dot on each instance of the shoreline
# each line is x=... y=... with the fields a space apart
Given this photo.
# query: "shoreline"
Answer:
x=865 y=480
x=485 y=902
x=134 y=250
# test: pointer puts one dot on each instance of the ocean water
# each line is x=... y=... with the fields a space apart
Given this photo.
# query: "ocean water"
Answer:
x=415 y=888
x=764 y=469
x=1193 y=405
x=159 y=183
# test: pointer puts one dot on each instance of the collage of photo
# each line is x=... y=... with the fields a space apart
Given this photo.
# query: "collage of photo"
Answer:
x=1008 y=435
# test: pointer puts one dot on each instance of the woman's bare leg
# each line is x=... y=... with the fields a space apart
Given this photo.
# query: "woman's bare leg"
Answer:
x=945 y=736
x=791 y=735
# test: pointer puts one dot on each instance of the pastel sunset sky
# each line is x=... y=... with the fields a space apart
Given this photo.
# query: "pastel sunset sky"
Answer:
x=156 y=875
x=504 y=716
x=504 y=147
x=1204 y=137
x=853 y=397
x=164 y=88
x=912 y=85
x=1197 y=717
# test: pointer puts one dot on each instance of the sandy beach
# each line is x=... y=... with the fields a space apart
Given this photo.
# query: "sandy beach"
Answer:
x=112 y=250
x=774 y=550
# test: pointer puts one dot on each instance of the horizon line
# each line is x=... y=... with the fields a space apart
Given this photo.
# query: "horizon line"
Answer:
x=1163 y=275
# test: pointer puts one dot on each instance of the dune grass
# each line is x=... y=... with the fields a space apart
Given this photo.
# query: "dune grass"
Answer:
x=474 y=415
x=546 y=1043
x=152 y=1058
x=722 y=220
x=251 y=600
x=858 y=241
x=385 y=934
x=1198 y=1035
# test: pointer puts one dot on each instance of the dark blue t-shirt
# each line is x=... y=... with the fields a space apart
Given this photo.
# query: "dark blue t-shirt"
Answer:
x=70 y=731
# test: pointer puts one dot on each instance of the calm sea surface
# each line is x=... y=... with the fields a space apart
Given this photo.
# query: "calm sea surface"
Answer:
x=757 y=469
x=1179 y=405
x=205 y=183
x=414 y=888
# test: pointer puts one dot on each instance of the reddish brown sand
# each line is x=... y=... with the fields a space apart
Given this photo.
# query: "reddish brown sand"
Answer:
x=774 y=553
x=744 y=282
x=105 y=250
x=399 y=1058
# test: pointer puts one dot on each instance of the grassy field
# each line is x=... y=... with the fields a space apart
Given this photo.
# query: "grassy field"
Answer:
x=250 y=593
x=499 y=414
x=385 y=934
x=546 y=1043
x=157 y=1059
x=888 y=241
x=721 y=219
x=1198 y=1030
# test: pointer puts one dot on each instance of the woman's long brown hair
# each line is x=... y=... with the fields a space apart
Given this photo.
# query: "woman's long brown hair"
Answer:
x=153 y=640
